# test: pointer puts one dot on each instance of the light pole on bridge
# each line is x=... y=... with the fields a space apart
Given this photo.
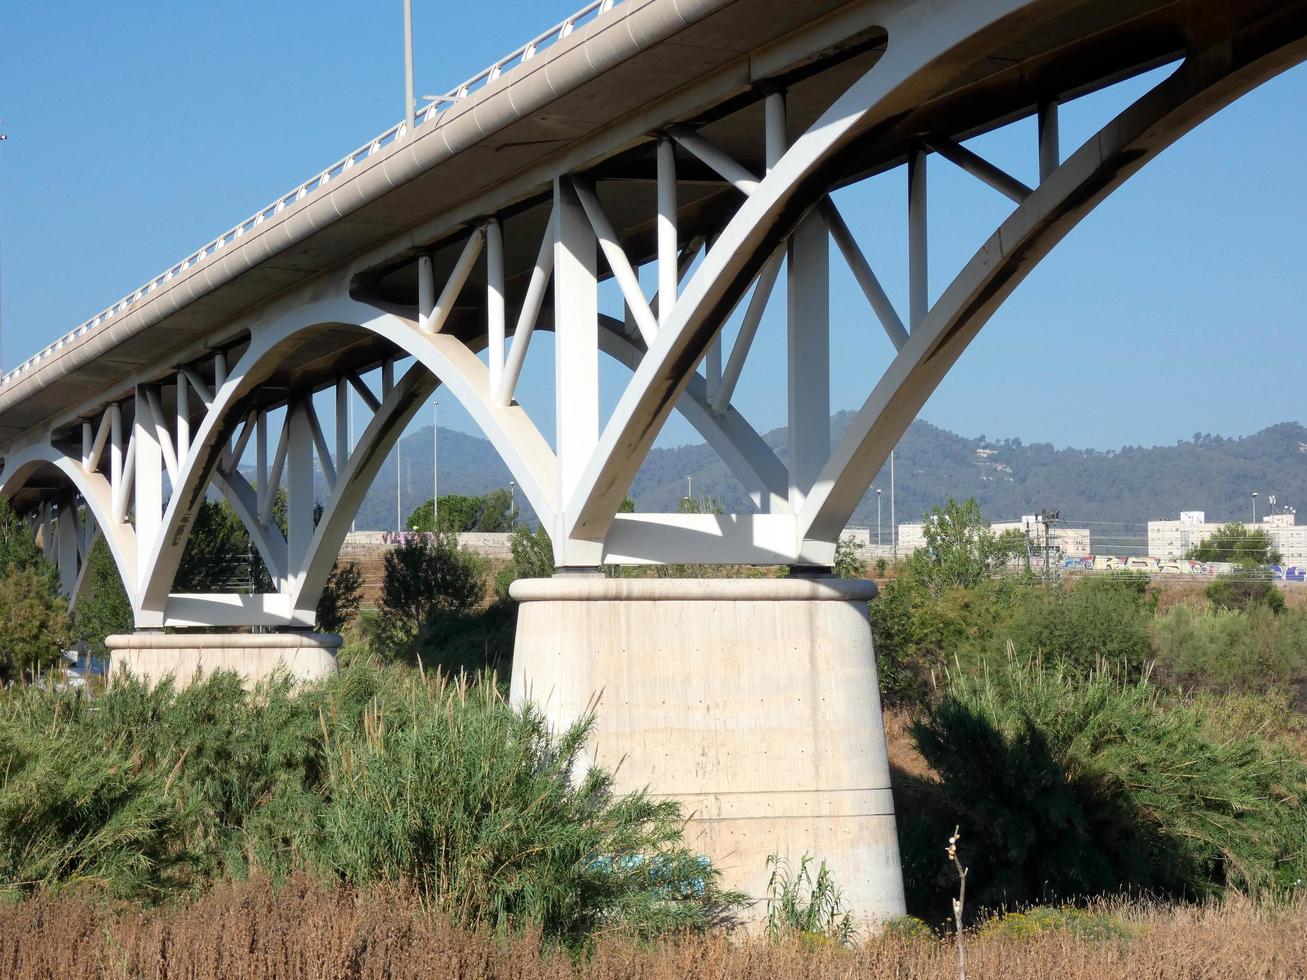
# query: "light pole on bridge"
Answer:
x=409 y=107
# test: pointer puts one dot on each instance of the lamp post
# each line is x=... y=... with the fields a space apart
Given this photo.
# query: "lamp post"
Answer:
x=408 y=68
x=435 y=465
x=878 y=493
x=512 y=505
x=1254 y=508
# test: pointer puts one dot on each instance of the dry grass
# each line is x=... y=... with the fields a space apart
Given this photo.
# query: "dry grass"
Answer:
x=248 y=931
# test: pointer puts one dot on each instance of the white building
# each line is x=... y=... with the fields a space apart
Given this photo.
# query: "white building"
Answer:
x=1173 y=539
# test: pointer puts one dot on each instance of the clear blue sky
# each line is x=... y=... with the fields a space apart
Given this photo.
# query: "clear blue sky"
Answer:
x=139 y=131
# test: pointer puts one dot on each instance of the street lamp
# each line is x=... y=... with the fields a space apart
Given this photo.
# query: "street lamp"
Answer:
x=878 y=493
x=1254 y=508
x=512 y=505
x=408 y=68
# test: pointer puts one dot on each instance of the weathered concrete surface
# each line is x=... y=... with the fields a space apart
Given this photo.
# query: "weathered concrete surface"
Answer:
x=185 y=657
x=755 y=702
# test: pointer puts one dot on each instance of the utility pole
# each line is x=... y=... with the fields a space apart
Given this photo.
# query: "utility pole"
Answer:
x=435 y=466
x=408 y=68
x=689 y=488
x=1048 y=518
x=399 y=484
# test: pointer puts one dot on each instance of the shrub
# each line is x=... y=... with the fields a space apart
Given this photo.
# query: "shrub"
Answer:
x=373 y=776
x=73 y=817
x=1072 y=786
x=1229 y=651
x=800 y=905
x=1248 y=588
x=1098 y=619
x=533 y=557
x=341 y=597
x=1081 y=923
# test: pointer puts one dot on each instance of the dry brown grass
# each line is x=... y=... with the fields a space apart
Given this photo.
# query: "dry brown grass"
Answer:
x=249 y=931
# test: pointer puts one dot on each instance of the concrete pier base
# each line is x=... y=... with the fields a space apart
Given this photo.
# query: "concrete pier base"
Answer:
x=152 y=656
x=755 y=702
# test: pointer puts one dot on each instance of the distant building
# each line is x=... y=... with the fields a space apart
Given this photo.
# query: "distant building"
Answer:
x=1174 y=539
x=1063 y=541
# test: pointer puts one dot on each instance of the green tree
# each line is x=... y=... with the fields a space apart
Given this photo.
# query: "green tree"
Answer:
x=428 y=576
x=18 y=547
x=960 y=548
x=103 y=608
x=1236 y=544
x=492 y=513
x=34 y=628
x=218 y=553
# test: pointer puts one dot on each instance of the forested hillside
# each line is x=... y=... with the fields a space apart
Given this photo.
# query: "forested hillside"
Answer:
x=1008 y=477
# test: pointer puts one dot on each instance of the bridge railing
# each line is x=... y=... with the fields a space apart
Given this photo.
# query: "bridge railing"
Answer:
x=426 y=115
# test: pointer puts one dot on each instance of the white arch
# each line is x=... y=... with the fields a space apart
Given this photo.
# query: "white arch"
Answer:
x=96 y=493
x=508 y=428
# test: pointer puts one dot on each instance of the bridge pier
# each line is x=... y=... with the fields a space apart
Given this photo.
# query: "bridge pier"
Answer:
x=753 y=701
x=152 y=655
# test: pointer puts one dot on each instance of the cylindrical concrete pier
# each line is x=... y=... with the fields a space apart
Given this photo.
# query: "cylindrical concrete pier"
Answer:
x=754 y=701
x=152 y=656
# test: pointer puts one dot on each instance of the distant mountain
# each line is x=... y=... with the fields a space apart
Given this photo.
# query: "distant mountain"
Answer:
x=1008 y=478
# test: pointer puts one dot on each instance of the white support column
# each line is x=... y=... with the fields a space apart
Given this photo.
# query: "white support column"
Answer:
x=219 y=371
x=115 y=413
x=777 y=137
x=668 y=265
x=88 y=437
x=343 y=434
x=495 y=318
x=808 y=340
x=299 y=494
x=426 y=292
x=1050 y=150
x=183 y=421
x=149 y=484
x=576 y=340
x=918 y=254
x=526 y=319
x=260 y=459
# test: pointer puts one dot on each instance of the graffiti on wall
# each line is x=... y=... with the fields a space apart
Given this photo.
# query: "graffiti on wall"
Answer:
x=1171 y=566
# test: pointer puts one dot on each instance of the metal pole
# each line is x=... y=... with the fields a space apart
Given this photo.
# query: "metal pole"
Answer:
x=878 y=539
x=408 y=66
x=893 y=523
x=435 y=464
x=399 y=483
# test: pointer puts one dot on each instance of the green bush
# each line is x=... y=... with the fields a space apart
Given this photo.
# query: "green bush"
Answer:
x=1246 y=589
x=1037 y=921
x=1069 y=786
x=1098 y=619
x=374 y=775
x=1223 y=650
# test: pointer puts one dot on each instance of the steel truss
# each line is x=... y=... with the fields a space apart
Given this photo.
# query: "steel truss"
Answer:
x=146 y=462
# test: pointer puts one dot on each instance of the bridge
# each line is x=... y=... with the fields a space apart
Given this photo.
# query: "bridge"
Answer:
x=700 y=142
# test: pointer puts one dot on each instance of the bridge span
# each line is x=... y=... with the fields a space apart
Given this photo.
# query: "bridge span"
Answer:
x=701 y=141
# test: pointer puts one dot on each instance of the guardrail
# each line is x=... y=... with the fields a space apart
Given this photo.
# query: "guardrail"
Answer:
x=427 y=114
